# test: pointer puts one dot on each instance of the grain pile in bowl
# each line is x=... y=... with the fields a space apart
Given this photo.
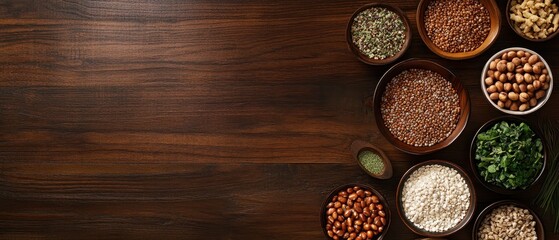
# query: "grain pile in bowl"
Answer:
x=378 y=33
x=517 y=80
x=457 y=25
x=420 y=107
x=435 y=198
x=536 y=19
x=508 y=222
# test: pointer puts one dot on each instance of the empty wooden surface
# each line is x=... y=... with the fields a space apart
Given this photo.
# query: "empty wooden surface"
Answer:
x=210 y=119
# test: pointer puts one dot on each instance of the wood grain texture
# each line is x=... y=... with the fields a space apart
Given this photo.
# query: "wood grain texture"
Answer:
x=211 y=119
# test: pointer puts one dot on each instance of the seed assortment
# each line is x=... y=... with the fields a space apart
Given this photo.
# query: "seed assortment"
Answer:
x=517 y=80
x=508 y=222
x=420 y=107
x=435 y=198
x=536 y=19
x=457 y=25
x=378 y=33
x=355 y=213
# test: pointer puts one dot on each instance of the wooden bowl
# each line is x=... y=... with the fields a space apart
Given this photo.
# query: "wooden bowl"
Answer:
x=473 y=165
x=364 y=58
x=429 y=65
x=520 y=33
x=359 y=146
x=461 y=224
x=539 y=226
x=334 y=192
x=541 y=102
x=495 y=18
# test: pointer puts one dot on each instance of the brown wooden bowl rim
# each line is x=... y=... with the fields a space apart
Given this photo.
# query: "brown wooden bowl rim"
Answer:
x=362 y=186
x=457 y=227
x=456 y=83
x=532 y=109
x=511 y=25
x=489 y=124
x=539 y=228
x=359 y=146
x=367 y=60
x=491 y=37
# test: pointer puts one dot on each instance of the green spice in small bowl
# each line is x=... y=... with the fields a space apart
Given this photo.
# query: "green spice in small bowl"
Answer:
x=372 y=162
x=371 y=159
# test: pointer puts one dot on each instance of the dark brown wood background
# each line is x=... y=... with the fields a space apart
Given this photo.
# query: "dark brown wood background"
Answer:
x=196 y=119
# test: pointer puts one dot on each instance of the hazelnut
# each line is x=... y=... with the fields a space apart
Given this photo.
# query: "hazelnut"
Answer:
x=528 y=78
x=511 y=55
x=516 y=61
x=533 y=59
x=503 y=77
x=510 y=67
x=508 y=103
x=520 y=53
x=503 y=96
x=510 y=76
x=492 y=89
x=537 y=84
x=539 y=94
x=536 y=69
x=523 y=97
x=515 y=88
x=527 y=68
x=519 y=78
x=488 y=81
x=522 y=87
x=500 y=104
x=513 y=96
x=499 y=86
x=530 y=88
x=514 y=106
x=533 y=102
x=493 y=65
x=501 y=67
x=508 y=87
x=523 y=107
x=494 y=96
x=542 y=78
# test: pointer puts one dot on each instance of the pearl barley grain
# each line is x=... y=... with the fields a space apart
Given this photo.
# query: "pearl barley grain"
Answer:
x=435 y=198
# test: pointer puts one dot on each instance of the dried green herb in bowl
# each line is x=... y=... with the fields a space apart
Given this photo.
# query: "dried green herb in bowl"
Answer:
x=509 y=155
x=378 y=32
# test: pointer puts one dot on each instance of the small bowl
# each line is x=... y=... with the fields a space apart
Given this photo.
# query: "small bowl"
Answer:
x=520 y=33
x=495 y=18
x=429 y=65
x=364 y=58
x=539 y=227
x=461 y=224
x=359 y=146
x=323 y=209
x=487 y=126
x=541 y=102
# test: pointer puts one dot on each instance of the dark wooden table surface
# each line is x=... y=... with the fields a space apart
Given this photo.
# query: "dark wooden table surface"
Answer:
x=198 y=119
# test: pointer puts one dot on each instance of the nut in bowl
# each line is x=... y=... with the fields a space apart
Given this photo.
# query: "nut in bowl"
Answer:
x=355 y=211
x=435 y=198
x=517 y=81
x=405 y=102
x=378 y=33
x=506 y=218
x=458 y=29
x=534 y=20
